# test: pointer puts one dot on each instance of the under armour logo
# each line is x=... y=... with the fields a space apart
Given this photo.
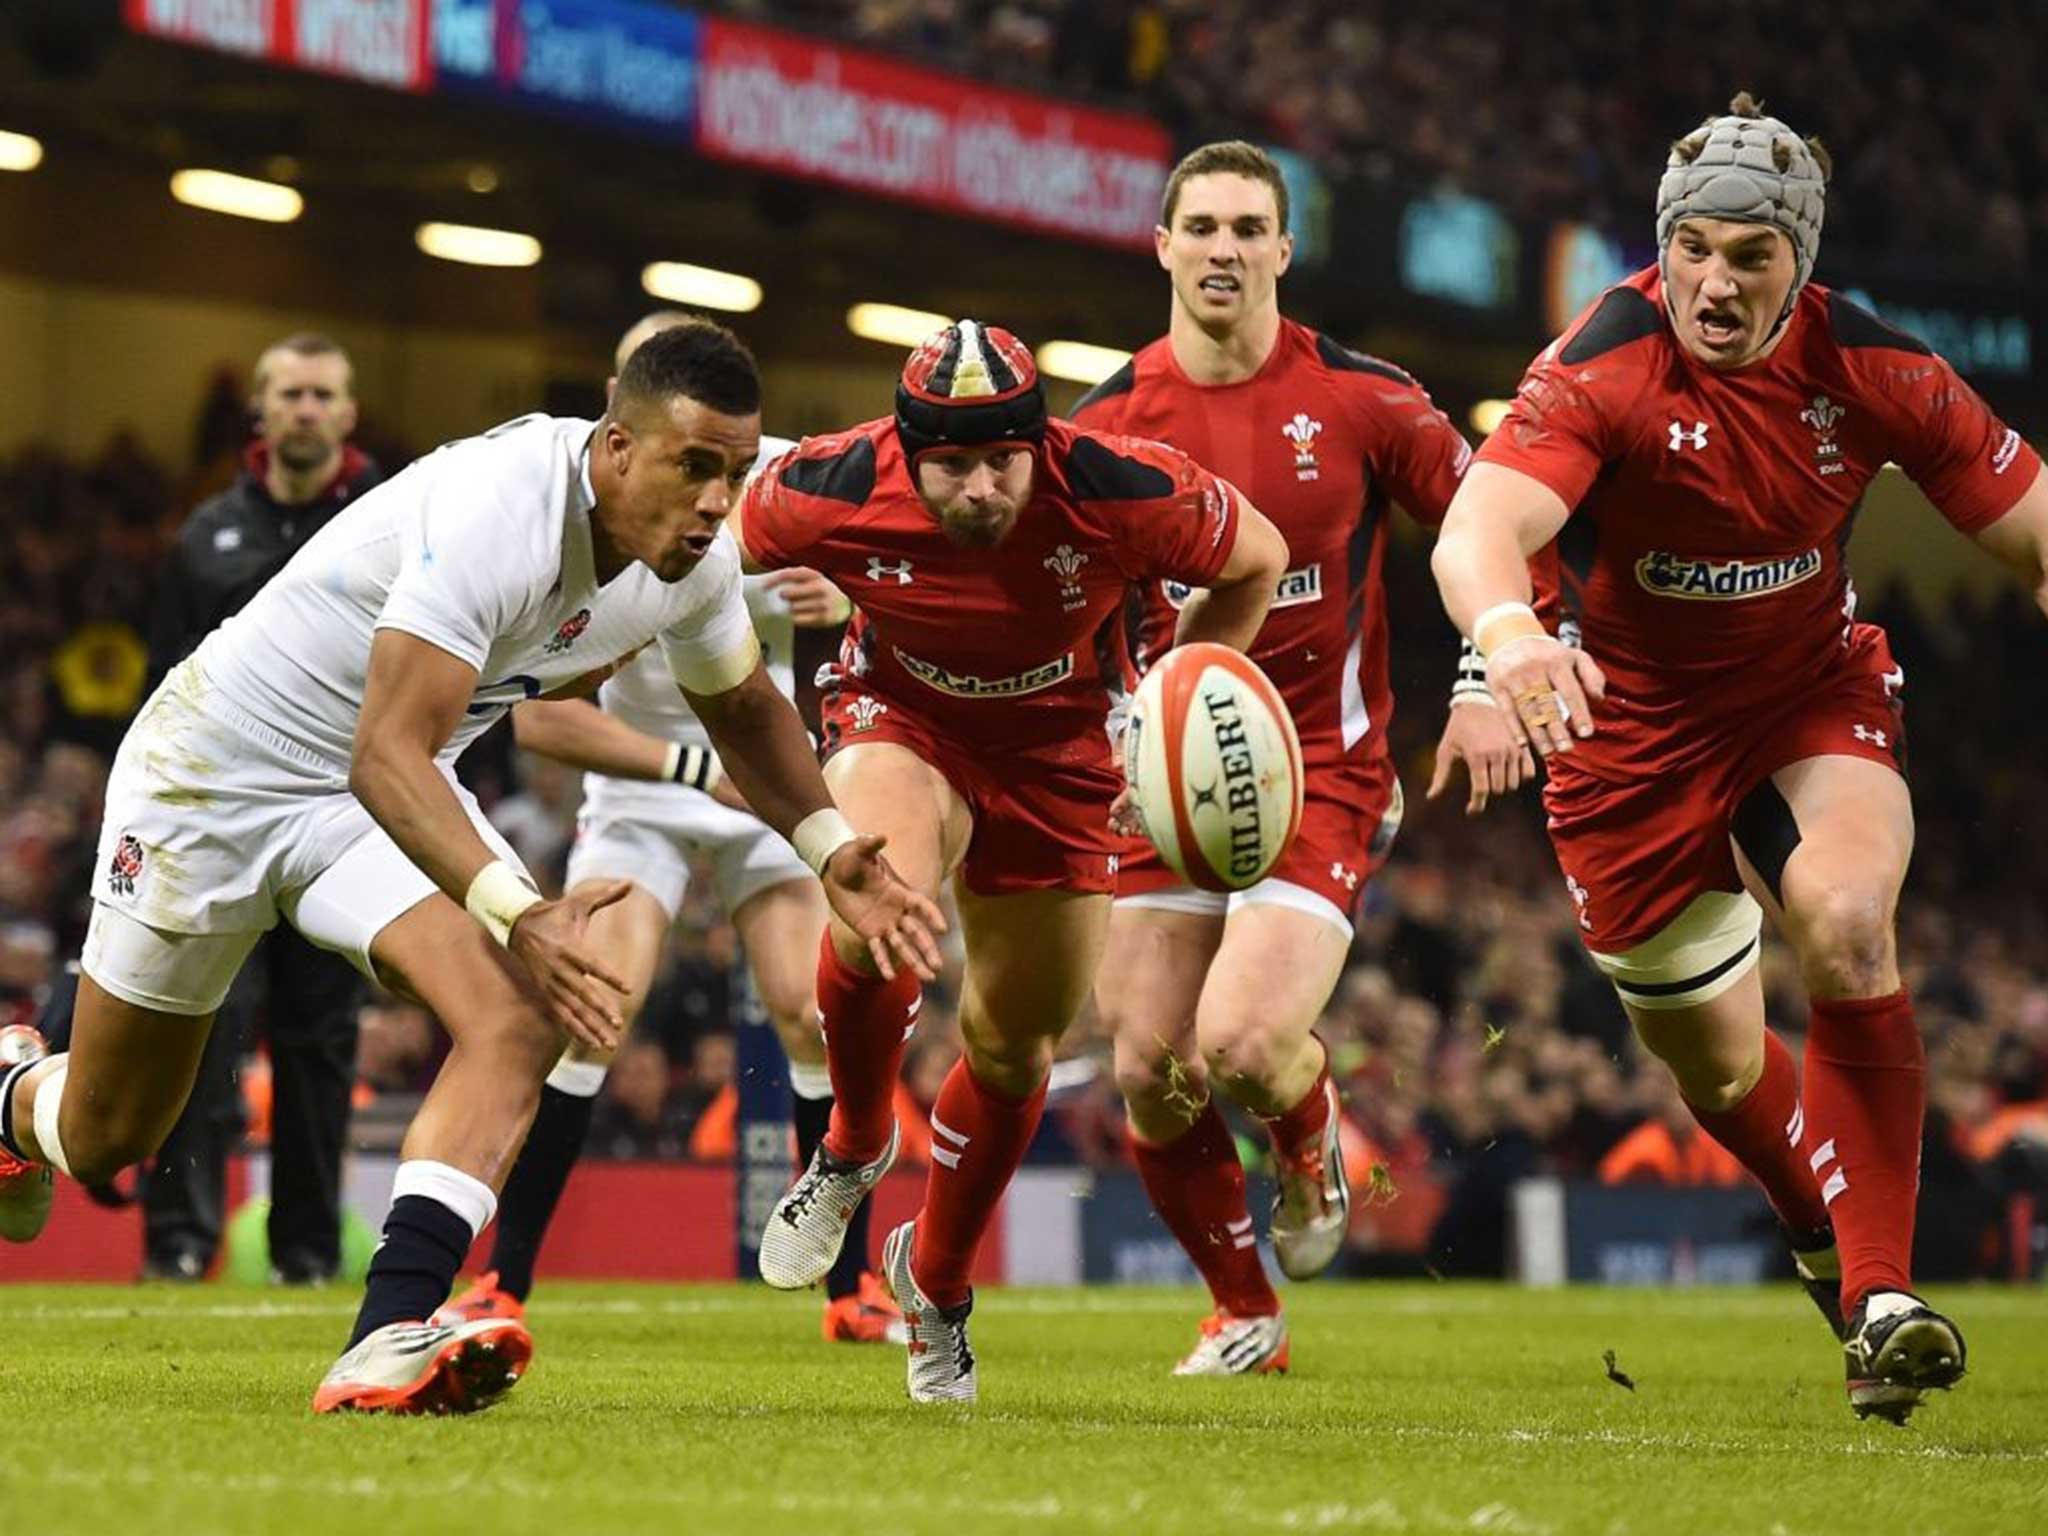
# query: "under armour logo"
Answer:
x=1348 y=878
x=879 y=568
x=1876 y=738
x=1696 y=438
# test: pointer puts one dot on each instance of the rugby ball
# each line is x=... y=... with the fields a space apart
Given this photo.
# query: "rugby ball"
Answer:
x=1214 y=766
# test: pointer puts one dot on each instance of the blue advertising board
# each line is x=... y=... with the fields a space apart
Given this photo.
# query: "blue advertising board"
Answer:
x=617 y=63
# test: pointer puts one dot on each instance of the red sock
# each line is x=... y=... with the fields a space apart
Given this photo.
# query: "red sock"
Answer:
x=1197 y=1186
x=1866 y=1094
x=866 y=1021
x=1763 y=1132
x=978 y=1139
x=1298 y=1134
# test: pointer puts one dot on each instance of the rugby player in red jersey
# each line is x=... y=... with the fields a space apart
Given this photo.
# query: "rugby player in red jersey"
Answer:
x=989 y=551
x=1729 y=740
x=1203 y=990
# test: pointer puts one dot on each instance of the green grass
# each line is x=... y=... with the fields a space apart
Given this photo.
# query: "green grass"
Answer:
x=684 y=1411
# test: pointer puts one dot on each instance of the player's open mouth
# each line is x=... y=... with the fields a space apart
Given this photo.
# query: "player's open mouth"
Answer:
x=1719 y=327
x=698 y=543
x=1219 y=284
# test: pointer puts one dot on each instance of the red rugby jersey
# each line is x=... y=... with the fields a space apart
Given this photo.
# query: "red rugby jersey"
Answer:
x=1704 y=559
x=1014 y=650
x=1321 y=439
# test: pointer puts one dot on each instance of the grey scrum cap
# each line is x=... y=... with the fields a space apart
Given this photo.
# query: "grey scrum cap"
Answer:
x=1750 y=168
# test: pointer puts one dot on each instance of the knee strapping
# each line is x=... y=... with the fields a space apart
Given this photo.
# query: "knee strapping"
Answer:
x=1700 y=954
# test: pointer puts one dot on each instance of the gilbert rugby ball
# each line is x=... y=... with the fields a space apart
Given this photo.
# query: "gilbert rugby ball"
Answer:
x=1214 y=766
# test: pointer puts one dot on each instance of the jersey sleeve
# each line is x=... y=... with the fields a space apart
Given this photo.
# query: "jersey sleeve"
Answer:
x=1556 y=431
x=796 y=502
x=710 y=646
x=473 y=559
x=1411 y=447
x=1972 y=466
x=1186 y=533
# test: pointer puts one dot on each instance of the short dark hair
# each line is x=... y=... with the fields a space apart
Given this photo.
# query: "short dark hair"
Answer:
x=1231 y=157
x=699 y=359
x=299 y=344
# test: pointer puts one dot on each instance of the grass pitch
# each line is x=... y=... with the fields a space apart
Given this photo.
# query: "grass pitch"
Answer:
x=1416 y=1408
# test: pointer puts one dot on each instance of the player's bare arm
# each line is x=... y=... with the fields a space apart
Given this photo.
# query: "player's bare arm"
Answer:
x=414 y=695
x=578 y=733
x=1497 y=520
x=1231 y=609
x=814 y=602
x=767 y=753
x=2020 y=538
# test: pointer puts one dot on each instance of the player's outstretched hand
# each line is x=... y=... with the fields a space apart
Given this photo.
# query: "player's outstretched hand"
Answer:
x=814 y=603
x=583 y=994
x=1546 y=689
x=901 y=927
x=1481 y=738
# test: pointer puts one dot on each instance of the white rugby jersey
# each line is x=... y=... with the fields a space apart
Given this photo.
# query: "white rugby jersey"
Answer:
x=483 y=549
x=644 y=695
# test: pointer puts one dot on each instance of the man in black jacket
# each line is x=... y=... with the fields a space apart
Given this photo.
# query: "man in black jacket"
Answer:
x=298 y=472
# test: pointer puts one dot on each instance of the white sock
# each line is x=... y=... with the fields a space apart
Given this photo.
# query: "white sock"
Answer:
x=578 y=1079
x=809 y=1080
x=1882 y=1304
x=466 y=1195
x=50 y=1099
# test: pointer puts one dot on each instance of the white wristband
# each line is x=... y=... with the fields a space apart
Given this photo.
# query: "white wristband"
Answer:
x=820 y=835
x=497 y=897
x=695 y=766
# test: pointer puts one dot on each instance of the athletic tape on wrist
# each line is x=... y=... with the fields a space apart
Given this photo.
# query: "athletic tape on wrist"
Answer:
x=1518 y=618
x=820 y=835
x=497 y=897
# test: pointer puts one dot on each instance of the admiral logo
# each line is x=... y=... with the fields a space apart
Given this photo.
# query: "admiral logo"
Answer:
x=1690 y=577
x=125 y=868
x=1240 y=788
x=968 y=686
x=1303 y=432
x=1304 y=585
x=2008 y=450
x=568 y=634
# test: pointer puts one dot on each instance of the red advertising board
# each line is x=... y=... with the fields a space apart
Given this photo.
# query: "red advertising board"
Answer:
x=383 y=42
x=787 y=104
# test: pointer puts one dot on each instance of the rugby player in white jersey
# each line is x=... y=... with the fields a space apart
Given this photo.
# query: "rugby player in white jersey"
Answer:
x=655 y=794
x=299 y=765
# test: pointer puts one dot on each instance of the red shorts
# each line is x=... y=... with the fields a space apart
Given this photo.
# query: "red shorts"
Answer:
x=1348 y=821
x=1037 y=826
x=1636 y=851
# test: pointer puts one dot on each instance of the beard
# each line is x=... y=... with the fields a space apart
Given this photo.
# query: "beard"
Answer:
x=302 y=451
x=978 y=530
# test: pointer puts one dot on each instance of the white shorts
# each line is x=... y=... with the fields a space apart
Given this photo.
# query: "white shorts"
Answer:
x=1266 y=893
x=215 y=827
x=646 y=832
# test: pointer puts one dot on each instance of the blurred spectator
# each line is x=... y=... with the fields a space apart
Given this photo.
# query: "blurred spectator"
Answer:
x=640 y=1115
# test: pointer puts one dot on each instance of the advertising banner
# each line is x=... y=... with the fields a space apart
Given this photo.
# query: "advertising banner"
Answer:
x=785 y=103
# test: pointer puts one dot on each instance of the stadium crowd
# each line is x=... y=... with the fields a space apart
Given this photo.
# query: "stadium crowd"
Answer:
x=1546 y=108
x=1474 y=1043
